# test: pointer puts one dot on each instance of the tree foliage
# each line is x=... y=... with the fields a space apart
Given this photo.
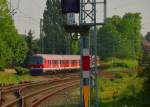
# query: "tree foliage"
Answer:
x=33 y=46
x=54 y=39
x=75 y=47
x=147 y=37
x=120 y=37
x=13 y=47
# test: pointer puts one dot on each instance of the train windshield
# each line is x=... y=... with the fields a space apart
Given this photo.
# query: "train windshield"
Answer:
x=36 y=60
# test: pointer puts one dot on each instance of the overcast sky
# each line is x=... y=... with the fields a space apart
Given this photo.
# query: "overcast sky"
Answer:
x=30 y=12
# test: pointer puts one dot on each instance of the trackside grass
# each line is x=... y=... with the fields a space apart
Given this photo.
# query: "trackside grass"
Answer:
x=116 y=64
x=7 y=78
x=121 y=92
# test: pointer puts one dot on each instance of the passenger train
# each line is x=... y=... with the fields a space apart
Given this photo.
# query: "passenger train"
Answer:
x=40 y=63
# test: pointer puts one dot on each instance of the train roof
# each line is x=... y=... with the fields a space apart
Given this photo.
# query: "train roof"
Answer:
x=55 y=57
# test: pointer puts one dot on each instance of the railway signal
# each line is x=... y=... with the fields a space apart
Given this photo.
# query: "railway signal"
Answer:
x=70 y=6
x=86 y=75
x=71 y=19
x=87 y=19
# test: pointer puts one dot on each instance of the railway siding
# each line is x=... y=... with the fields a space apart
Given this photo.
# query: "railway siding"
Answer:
x=28 y=95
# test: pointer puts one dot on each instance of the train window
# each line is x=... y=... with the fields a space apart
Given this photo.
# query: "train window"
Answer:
x=37 y=60
x=54 y=61
x=49 y=61
x=73 y=61
x=61 y=61
x=64 y=61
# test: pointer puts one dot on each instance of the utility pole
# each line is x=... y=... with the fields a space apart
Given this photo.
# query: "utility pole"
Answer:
x=41 y=36
x=10 y=5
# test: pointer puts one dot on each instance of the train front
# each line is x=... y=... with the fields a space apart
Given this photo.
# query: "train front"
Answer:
x=36 y=65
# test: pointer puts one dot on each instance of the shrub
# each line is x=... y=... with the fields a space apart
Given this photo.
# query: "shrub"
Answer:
x=123 y=63
x=106 y=65
x=21 y=71
x=8 y=78
x=132 y=74
x=131 y=63
x=120 y=64
x=119 y=75
x=146 y=74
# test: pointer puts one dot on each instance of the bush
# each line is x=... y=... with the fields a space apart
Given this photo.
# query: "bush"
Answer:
x=123 y=63
x=119 y=64
x=21 y=71
x=119 y=75
x=146 y=74
x=8 y=78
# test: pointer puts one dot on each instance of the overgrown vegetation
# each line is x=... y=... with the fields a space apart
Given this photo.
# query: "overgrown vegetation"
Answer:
x=6 y=78
x=115 y=64
x=123 y=91
x=129 y=89
x=21 y=71
x=145 y=73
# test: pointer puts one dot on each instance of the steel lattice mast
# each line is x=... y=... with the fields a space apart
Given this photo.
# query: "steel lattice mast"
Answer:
x=88 y=17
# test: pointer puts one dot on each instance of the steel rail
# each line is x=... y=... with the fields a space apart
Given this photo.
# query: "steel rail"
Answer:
x=23 y=87
x=52 y=93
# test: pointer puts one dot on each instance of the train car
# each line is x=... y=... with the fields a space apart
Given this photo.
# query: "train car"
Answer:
x=43 y=62
x=40 y=63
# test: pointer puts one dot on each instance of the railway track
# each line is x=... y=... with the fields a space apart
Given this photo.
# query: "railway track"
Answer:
x=42 y=95
x=28 y=95
x=13 y=88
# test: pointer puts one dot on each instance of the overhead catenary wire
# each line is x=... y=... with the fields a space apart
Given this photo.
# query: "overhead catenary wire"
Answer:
x=17 y=9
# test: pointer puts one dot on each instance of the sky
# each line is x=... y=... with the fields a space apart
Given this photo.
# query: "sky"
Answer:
x=30 y=11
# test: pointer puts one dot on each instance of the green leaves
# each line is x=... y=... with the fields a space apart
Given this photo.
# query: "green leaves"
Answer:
x=147 y=37
x=75 y=47
x=54 y=39
x=13 y=48
x=120 y=37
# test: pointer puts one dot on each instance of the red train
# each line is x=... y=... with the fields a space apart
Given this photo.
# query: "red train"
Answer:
x=44 y=62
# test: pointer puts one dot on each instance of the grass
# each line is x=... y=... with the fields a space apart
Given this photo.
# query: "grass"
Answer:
x=117 y=69
x=126 y=89
x=116 y=64
x=7 y=78
x=121 y=92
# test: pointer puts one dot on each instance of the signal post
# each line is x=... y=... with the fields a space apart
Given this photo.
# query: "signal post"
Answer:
x=85 y=62
x=87 y=19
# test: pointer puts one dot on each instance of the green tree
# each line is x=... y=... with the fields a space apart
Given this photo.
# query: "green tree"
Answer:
x=75 y=47
x=147 y=37
x=132 y=28
x=108 y=41
x=54 y=39
x=13 y=47
x=120 y=37
x=29 y=40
